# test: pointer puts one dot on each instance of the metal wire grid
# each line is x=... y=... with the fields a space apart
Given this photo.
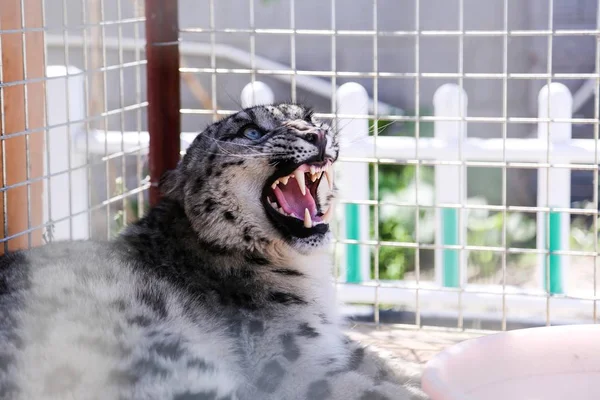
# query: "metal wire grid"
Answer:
x=418 y=75
x=96 y=64
x=73 y=33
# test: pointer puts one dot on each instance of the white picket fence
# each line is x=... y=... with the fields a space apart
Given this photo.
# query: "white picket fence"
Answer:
x=449 y=148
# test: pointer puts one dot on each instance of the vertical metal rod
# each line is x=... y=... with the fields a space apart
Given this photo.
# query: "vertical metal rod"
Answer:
x=595 y=172
x=3 y=147
x=504 y=168
x=87 y=106
x=418 y=169
x=548 y=82
x=26 y=125
x=376 y=174
x=65 y=25
x=335 y=126
x=333 y=61
x=252 y=47
x=48 y=230
x=213 y=59
x=138 y=113
x=98 y=107
x=293 y=48
x=126 y=200
x=163 y=85
x=462 y=180
x=104 y=120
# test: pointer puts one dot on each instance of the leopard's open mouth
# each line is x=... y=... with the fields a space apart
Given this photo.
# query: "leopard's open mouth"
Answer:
x=292 y=202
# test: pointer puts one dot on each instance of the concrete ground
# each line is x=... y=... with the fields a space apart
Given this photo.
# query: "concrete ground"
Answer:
x=399 y=343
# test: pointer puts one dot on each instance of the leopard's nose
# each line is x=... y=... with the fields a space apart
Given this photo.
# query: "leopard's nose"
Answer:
x=316 y=137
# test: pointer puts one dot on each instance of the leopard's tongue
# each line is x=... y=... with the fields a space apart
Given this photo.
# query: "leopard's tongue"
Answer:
x=293 y=202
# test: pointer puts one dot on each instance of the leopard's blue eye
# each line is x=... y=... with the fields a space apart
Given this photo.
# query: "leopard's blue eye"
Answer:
x=253 y=133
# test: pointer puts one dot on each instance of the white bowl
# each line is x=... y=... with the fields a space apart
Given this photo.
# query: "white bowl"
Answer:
x=550 y=363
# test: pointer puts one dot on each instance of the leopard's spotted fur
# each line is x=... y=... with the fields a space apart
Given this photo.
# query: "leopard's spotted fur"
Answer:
x=203 y=298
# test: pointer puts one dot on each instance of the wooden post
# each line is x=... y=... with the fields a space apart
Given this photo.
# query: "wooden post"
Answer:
x=19 y=117
x=164 y=121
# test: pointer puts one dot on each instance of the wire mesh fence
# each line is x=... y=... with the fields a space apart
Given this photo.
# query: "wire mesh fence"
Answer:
x=71 y=85
x=472 y=127
x=472 y=217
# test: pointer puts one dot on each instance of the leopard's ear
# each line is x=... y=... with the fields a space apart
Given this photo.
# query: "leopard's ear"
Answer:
x=171 y=184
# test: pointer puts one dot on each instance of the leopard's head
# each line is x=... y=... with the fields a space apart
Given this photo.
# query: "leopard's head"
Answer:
x=259 y=179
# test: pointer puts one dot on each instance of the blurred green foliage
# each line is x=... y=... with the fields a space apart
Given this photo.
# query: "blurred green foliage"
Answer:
x=398 y=183
x=584 y=234
x=128 y=210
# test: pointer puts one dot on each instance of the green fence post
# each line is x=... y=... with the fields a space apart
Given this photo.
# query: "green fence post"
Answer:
x=353 y=251
x=451 y=272
x=555 y=269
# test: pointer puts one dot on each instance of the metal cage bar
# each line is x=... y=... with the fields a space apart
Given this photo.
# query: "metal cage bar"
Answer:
x=222 y=39
x=100 y=44
x=60 y=161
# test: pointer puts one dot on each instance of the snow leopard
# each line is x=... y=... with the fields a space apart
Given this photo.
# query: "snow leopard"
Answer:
x=223 y=290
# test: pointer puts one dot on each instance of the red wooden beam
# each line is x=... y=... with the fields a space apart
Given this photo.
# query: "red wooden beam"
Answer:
x=163 y=85
x=24 y=202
